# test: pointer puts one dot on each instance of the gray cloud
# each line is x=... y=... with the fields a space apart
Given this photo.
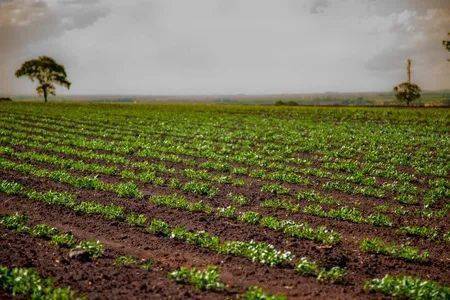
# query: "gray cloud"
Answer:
x=418 y=33
x=227 y=46
x=23 y=23
x=319 y=6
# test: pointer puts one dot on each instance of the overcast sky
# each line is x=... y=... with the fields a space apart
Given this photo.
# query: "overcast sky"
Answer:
x=227 y=46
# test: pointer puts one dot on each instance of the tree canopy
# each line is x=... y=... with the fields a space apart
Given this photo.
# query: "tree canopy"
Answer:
x=47 y=72
x=407 y=92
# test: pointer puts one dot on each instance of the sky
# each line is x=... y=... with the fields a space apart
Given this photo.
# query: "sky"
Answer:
x=181 y=47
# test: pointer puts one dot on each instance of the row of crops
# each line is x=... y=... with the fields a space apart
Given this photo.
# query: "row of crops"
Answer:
x=226 y=201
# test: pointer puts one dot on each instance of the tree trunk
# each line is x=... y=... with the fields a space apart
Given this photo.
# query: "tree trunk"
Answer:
x=45 y=94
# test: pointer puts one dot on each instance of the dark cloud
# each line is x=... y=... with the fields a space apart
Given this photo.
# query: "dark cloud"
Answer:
x=397 y=6
x=227 y=46
x=26 y=22
x=417 y=35
x=319 y=6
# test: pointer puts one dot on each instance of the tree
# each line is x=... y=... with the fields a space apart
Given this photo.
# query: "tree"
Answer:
x=47 y=72
x=407 y=91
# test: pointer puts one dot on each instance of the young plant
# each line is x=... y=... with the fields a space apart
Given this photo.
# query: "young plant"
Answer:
x=203 y=280
x=110 y=212
x=226 y=212
x=256 y=293
x=275 y=189
x=238 y=199
x=26 y=283
x=250 y=217
x=378 y=246
x=306 y=267
x=125 y=260
x=335 y=274
x=93 y=249
x=147 y=264
x=379 y=219
x=15 y=222
x=260 y=252
x=136 y=219
x=127 y=189
x=66 y=240
x=10 y=188
x=159 y=227
x=200 y=188
x=422 y=231
x=408 y=287
x=43 y=231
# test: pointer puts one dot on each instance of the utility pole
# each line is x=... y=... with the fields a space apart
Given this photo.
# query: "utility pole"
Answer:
x=447 y=45
x=408 y=69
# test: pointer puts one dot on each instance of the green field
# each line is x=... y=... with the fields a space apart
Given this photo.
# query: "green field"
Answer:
x=226 y=201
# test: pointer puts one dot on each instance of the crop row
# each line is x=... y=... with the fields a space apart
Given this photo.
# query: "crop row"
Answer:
x=355 y=178
x=208 y=132
x=256 y=251
x=437 y=192
x=29 y=284
x=17 y=222
x=130 y=189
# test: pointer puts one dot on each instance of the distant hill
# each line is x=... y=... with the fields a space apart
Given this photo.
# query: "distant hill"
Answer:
x=429 y=98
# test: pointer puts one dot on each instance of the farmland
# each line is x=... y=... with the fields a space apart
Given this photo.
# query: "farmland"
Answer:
x=216 y=201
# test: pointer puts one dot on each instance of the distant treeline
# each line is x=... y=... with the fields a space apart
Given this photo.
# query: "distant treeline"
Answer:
x=287 y=103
